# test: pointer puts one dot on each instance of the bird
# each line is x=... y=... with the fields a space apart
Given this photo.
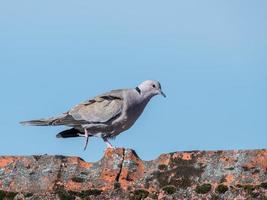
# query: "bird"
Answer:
x=106 y=115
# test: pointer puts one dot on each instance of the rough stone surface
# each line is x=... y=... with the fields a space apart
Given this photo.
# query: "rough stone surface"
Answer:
x=121 y=174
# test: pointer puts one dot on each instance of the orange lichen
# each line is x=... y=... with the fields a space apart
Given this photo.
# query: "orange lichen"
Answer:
x=164 y=159
x=73 y=160
x=229 y=179
x=187 y=156
x=85 y=164
x=4 y=161
x=128 y=177
x=73 y=186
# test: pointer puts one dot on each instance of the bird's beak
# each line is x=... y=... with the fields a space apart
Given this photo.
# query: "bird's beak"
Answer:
x=162 y=93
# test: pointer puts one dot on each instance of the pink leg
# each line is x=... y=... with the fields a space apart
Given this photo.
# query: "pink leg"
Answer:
x=86 y=135
x=109 y=145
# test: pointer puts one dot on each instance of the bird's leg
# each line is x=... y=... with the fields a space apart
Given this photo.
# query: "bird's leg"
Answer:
x=109 y=145
x=86 y=135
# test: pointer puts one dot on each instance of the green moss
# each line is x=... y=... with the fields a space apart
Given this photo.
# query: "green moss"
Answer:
x=84 y=173
x=117 y=185
x=221 y=189
x=203 y=189
x=94 y=192
x=230 y=168
x=177 y=173
x=248 y=188
x=86 y=193
x=264 y=185
x=139 y=194
x=169 y=189
x=7 y=195
x=162 y=167
x=2 y=194
x=255 y=195
x=64 y=195
x=78 y=179
x=215 y=197
x=183 y=183
x=27 y=195
x=71 y=195
x=153 y=195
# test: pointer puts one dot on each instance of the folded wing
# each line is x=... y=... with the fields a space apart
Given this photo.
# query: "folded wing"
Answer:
x=101 y=109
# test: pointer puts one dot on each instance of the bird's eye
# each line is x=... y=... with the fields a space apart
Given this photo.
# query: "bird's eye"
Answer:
x=153 y=85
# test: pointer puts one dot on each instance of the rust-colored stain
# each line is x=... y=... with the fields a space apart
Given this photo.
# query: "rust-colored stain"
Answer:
x=79 y=161
x=186 y=156
x=73 y=186
x=260 y=160
x=73 y=160
x=229 y=179
x=85 y=164
x=4 y=161
x=164 y=159
x=128 y=176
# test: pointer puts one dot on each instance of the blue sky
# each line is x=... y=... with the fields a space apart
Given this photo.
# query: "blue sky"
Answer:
x=210 y=58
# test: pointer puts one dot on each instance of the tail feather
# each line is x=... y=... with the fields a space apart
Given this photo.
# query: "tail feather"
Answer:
x=64 y=119
x=38 y=122
x=52 y=121
x=68 y=133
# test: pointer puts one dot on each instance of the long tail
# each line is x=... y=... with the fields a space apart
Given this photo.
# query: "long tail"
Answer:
x=63 y=119
x=53 y=121
x=38 y=122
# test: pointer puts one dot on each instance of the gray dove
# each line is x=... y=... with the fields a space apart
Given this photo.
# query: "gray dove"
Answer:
x=106 y=115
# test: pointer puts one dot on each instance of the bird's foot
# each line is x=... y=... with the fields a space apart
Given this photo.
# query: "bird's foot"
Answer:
x=86 y=135
x=109 y=145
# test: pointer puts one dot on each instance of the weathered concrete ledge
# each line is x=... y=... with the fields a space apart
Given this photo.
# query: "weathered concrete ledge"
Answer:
x=121 y=174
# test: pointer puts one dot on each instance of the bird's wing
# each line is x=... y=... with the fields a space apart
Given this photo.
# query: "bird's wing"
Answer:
x=100 y=109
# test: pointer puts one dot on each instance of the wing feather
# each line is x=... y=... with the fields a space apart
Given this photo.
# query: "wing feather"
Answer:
x=100 y=109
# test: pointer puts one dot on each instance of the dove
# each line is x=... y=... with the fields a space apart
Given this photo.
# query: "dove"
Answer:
x=104 y=116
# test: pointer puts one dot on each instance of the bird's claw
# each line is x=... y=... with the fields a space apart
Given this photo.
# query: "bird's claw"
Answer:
x=109 y=145
x=86 y=135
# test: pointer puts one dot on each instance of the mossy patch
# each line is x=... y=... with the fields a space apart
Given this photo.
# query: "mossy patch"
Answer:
x=264 y=185
x=84 y=173
x=117 y=185
x=71 y=195
x=7 y=195
x=153 y=195
x=203 y=189
x=139 y=194
x=78 y=179
x=255 y=194
x=169 y=189
x=64 y=194
x=230 y=168
x=248 y=188
x=28 y=195
x=215 y=197
x=221 y=189
x=162 y=167
x=86 y=193
x=177 y=173
x=183 y=183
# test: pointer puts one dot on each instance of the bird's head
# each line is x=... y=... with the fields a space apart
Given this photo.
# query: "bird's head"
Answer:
x=150 y=88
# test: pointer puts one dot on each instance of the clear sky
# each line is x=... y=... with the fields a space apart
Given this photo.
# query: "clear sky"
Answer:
x=210 y=57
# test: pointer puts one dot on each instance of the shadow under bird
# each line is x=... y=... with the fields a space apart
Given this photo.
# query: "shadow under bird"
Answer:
x=106 y=115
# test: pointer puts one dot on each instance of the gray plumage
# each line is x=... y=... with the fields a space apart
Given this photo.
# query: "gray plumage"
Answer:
x=106 y=115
